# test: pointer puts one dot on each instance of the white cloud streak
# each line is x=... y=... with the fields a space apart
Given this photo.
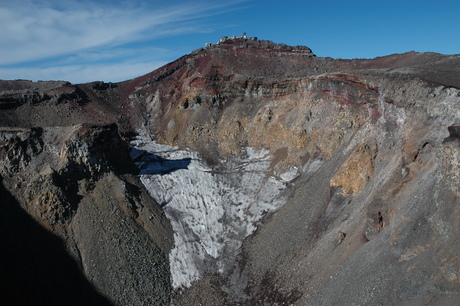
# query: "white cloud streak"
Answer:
x=34 y=30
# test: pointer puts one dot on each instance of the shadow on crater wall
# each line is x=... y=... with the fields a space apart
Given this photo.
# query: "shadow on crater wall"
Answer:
x=151 y=164
x=35 y=268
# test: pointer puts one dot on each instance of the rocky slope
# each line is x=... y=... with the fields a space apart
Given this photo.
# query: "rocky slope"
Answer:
x=265 y=175
x=90 y=221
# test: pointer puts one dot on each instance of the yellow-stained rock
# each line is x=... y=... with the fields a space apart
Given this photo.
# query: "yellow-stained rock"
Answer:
x=356 y=172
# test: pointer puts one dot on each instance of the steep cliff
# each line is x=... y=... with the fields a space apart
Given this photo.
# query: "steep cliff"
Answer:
x=265 y=175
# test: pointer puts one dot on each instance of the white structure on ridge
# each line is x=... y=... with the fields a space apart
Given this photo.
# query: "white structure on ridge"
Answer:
x=225 y=38
x=244 y=36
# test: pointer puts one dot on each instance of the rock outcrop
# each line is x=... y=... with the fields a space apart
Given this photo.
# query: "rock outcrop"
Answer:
x=78 y=183
x=267 y=175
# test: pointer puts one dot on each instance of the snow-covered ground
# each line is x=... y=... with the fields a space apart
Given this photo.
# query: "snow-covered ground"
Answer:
x=211 y=210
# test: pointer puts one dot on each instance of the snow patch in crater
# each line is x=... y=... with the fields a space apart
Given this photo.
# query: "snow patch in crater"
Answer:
x=290 y=174
x=211 y=210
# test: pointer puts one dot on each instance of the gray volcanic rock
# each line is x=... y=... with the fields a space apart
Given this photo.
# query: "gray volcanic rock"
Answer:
x=119 y=246
x=268 y=176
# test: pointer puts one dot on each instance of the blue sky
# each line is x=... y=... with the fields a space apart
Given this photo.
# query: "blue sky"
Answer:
x=89 y=40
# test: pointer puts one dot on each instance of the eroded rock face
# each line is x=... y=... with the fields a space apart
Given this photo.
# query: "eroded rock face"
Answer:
x=267 y=175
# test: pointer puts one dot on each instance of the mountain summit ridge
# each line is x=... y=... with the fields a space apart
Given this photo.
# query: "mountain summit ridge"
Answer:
x=278 y=177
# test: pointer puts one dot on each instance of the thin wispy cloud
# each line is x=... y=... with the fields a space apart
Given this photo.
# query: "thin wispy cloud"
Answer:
x=56 y=32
